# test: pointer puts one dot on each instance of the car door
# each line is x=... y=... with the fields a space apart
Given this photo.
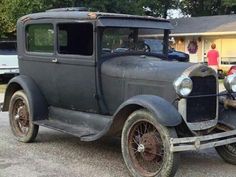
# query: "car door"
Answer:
x=75 y=68
x=35 y=45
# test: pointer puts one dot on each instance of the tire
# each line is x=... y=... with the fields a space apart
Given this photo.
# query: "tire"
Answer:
x=227 y=153
x=21 y=119
x=146 y=147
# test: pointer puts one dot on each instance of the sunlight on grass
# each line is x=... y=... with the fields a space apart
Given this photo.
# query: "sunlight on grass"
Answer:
x=221 y=81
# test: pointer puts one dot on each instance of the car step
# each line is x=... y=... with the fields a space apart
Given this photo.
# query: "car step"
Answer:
x=80 y=131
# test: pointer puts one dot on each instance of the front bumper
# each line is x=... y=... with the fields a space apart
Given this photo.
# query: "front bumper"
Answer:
x=202 y=142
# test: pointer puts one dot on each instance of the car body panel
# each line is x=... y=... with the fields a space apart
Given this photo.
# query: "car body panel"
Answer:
x=37 y=102
x=136 y=75
x=75 y=89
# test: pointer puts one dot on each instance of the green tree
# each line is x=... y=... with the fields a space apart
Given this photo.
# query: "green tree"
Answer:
x=159 y=8
x=207 y=7
x=138 y=7
x=49 y=4
x=11 y=10
x=113 y=6
x=229 y=6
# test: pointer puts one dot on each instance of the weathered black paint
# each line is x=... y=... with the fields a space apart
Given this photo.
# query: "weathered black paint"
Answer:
x=90 y=96
x=37 y=102
x=127 y=76
x=163 y=110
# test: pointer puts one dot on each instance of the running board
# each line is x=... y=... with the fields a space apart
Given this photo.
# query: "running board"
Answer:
x=79 y=131
x=86 y=126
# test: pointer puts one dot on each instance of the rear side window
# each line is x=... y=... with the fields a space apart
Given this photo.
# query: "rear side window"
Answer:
x=75 y=38
x=40 y=38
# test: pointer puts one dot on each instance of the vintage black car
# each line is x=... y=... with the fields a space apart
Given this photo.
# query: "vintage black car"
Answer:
x=72 y=79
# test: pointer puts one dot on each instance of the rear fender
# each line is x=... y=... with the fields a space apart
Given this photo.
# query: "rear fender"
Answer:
x=37 y=102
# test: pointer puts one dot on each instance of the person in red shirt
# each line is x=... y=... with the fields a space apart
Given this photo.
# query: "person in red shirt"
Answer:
x=212 y=57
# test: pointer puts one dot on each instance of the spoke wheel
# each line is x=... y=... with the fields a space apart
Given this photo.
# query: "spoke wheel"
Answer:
x=20 y=119
x=227 y=152
x=146 y=147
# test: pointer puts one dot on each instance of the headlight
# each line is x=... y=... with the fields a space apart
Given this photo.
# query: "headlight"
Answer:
x=183 y=86
x=230 y=83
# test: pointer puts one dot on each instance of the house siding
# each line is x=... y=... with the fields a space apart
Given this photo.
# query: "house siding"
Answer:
x=225 y=44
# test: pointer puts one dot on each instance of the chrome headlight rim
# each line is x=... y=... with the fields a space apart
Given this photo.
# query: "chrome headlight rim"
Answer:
x=230 y=83
x=183 y=86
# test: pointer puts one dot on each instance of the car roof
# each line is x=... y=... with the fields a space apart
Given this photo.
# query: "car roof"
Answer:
x=103 y=19
x=85 y=15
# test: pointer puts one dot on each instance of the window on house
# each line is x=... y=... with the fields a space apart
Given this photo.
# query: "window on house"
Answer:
x=228 y=53
x=40 y=38
x=75 y=38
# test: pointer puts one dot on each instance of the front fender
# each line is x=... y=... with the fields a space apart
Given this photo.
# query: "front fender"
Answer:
x=228 y=117
x=37 y=102
x=165 y=113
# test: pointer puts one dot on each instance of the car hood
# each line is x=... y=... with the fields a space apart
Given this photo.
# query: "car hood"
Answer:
x=144 y=68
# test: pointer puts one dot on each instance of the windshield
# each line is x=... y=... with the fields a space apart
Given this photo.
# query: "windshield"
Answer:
x=125 y=40
x=8 y=48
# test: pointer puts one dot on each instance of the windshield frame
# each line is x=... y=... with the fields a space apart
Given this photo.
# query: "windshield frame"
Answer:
x=134 y=22
x=100 y=31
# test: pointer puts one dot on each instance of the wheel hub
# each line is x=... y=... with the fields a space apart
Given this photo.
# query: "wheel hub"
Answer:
x=150 y=147
x=141 y=148
x=22 y=115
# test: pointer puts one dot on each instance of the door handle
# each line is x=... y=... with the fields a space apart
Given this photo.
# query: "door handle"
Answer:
x=55 y=60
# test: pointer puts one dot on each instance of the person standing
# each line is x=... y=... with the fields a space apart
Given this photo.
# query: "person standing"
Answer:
x=212 y=57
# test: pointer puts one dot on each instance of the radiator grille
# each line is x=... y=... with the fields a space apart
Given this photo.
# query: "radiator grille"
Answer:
x=202 y=108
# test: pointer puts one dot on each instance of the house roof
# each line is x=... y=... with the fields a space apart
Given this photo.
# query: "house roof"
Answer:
x=207 y=25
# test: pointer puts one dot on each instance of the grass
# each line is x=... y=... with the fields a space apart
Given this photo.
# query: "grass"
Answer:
x=221 y=81
x=2 y=88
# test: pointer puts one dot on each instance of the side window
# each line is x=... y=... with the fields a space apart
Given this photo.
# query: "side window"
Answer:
x=75 y=38
x=40 y=38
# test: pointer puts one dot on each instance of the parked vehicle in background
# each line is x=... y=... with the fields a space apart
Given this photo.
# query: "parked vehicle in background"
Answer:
x=221 y=74
x=153 y=46
x=8 y=60
x=232 y=70
x=77 y=77
x=156 y=46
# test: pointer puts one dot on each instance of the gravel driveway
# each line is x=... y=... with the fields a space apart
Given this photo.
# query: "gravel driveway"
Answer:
x=55 y=154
